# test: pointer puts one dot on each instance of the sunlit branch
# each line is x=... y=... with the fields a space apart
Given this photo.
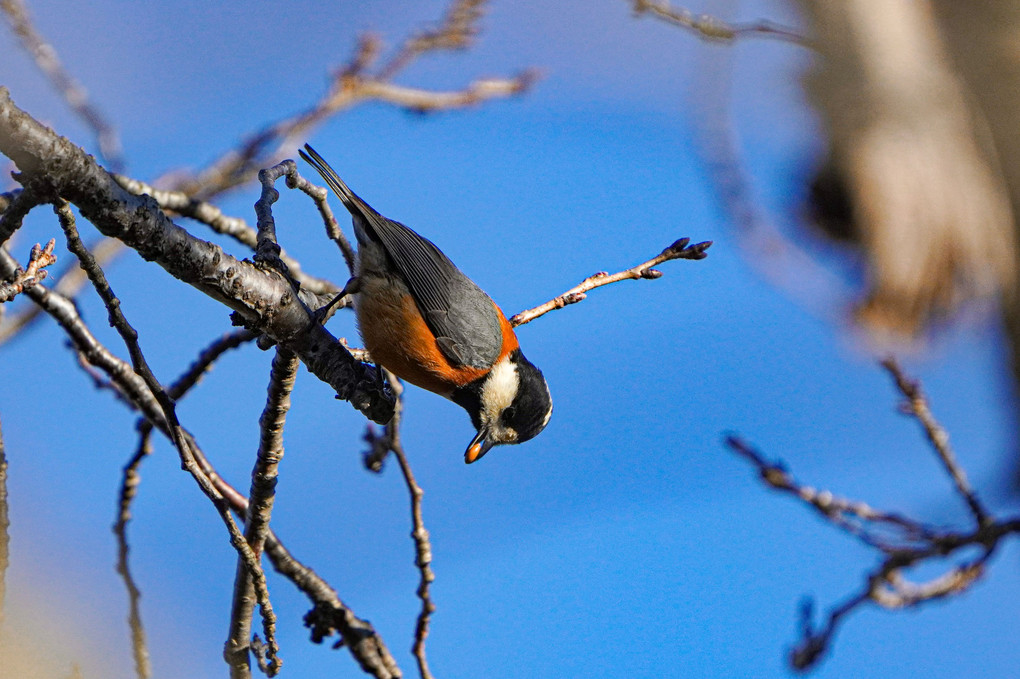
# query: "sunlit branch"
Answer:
x=140 y=366
x=712 y=28
x=260 y=506
x=902 y=542
x=678 y=250
x=423 y=547
x=33 y=274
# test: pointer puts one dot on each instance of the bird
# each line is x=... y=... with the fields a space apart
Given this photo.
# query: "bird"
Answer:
x=425 y=321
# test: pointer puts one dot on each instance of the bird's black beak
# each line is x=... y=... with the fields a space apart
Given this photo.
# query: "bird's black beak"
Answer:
x=479 y=446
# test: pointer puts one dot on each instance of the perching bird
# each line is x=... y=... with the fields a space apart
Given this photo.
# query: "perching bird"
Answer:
x=423 y=320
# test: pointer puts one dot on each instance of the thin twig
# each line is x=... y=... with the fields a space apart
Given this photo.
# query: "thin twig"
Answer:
x=420 y=100
x=128 y=490
x=423 y=548
x=855 y=517
x=713 y=28
x=202 y=364
x=260 y=507
x=74 y=94
x=329 y=613
x=911 y=543
x=5 y=523
x=678 y=250
x=456 y=31
x=917 y=405
x=131 y=478
x=68 y=283
x=354 y=84
x=30 y=276
x=204 y=212
x=141 y=367
x=319 y=195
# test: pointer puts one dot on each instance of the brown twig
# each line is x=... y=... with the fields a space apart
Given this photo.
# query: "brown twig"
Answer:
x=204 y=212
x=128 y=490
x=423 y=547
x=68 y=283
x=456 y=31
x=141 y=367
x=909 y=544
x=917 y=405
x=5 y=523
x=260 y=507
x=30 y=276
x=354 y=84
x=74 y=94
x=131 y=478
x=320 y=195
x=678 y=250
x=713 y=28
x=419 y=100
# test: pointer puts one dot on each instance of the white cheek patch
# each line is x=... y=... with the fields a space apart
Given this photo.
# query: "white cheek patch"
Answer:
x=548 y=415
x=498 y=391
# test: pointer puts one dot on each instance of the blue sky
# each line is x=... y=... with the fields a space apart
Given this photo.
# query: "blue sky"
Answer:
x=625 y=541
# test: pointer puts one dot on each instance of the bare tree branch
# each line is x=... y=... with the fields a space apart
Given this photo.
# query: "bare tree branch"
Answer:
x=260 y=506
x=180 y=203
x=712 y=28
x=902 y=542
x=128 y=490
x=263 y=299
x=390 y=441
x=917 y=405
x=140 y=366
x=263 y=484
x=678 y=250
x=329 y=614
x=31 y=275
x=353 y=84
x=456 y=31
x=74 y=94
x=5 y=523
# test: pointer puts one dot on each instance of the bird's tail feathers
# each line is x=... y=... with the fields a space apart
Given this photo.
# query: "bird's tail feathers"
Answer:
x=343 y=192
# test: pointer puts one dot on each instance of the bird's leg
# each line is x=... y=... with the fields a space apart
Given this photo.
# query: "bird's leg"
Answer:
x=352 y=286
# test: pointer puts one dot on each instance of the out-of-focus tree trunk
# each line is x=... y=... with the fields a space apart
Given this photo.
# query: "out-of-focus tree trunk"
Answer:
x=930 y=205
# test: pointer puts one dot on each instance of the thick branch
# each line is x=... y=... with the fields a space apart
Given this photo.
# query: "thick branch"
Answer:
x=263 y=299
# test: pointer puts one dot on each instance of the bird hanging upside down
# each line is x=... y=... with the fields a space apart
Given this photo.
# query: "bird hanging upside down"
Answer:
x=423 y=320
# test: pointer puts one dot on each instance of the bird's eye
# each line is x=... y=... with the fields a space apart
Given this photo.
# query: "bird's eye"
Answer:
x=509 y=414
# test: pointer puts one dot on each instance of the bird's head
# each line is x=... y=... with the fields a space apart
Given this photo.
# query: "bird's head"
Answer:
x=509 y=404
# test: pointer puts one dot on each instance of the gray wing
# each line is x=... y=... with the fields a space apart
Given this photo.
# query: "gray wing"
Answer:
x=459 y=314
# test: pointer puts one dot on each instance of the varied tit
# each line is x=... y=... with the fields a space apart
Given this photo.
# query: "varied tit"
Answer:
x=429 y=324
